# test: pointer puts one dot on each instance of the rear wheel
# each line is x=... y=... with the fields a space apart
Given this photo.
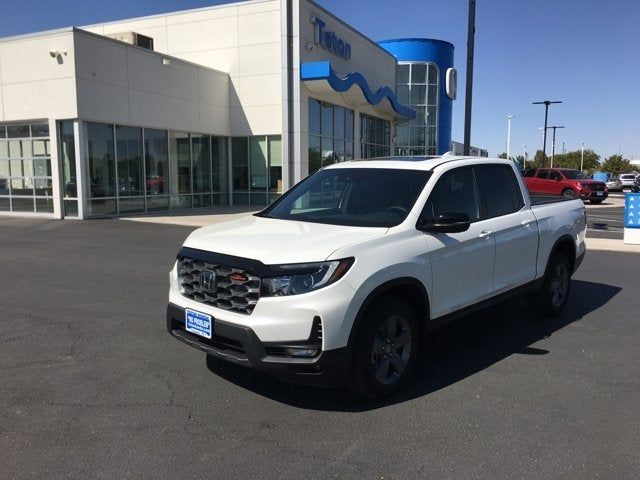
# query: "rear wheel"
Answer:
x=568 y=193
x=385 y=349
x=551 y=299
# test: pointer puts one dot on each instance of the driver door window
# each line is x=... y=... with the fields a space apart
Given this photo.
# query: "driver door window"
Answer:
x=455 y=192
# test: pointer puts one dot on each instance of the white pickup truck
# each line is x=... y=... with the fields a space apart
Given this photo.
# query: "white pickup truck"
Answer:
x=337 y=281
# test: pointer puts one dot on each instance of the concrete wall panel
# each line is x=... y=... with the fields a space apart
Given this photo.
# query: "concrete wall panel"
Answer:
x=38 y=100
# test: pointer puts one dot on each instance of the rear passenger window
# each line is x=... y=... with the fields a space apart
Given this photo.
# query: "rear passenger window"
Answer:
x=499 y=191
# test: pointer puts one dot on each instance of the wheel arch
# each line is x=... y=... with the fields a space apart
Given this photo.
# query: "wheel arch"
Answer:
x=408 y=289
x=566 y=245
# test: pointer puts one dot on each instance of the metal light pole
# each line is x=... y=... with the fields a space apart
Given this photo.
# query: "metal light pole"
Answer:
x=524 y=157
x=471 y=30
x=582 y=156
x=509 y=117
x=546 y=104
x=553 y=144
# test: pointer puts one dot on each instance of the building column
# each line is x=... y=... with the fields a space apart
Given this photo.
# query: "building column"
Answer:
x=56 y=170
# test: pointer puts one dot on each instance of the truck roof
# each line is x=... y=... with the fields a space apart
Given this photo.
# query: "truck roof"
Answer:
x=411 y=162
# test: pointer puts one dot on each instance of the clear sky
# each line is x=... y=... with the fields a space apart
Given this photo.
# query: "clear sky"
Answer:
x=585 y=53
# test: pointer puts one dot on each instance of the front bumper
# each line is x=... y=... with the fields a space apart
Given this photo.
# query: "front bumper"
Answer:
x=593 y=194
x=240 y=345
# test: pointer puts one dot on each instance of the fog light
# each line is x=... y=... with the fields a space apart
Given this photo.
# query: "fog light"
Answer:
x=301 y=352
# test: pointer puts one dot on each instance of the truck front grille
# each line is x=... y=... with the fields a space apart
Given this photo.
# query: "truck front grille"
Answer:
x=220 y=286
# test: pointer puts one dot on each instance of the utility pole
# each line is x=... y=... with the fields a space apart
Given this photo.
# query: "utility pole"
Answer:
x=582 y=157
x=471 y=30
x=546 y=104
x=553 y=143
x=524 y=157
x=509 y=117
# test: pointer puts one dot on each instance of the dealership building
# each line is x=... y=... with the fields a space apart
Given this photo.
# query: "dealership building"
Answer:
x=225 y=105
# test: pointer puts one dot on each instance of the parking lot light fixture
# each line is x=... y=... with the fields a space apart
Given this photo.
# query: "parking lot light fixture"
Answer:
x=509 y=117
x=546 y=104
x=553 y=143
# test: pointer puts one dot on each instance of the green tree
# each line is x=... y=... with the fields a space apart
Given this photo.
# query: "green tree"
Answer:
x=503 y=155
x=573 y=159
x=537 y=161
x=616 y=164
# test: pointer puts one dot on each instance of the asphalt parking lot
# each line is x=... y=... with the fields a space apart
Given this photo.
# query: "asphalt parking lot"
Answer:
x=607 y=219
x=94 y=387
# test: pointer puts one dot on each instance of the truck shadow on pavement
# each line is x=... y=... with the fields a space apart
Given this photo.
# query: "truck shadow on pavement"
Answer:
x=452 y=353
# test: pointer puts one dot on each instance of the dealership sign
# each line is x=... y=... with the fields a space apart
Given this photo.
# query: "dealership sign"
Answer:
x=329 y=40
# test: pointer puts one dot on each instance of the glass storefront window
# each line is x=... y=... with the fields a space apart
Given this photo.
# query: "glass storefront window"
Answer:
x=257 y=169
x=375 y=137
x=201 y=163
x=180 y=164
x=26 y=183
x=180 y=169
x=275 y=167
x=129 y=153
x=100 y=160
x=417 y=87
x=402 y=74
x=40 y=130
x=220 y=167
x=157 y=164
x=18 y=131
x=68 y=160
x=333 y=141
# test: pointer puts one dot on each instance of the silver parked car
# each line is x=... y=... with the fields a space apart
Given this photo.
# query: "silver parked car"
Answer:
x=628 y=180
x=614 y=184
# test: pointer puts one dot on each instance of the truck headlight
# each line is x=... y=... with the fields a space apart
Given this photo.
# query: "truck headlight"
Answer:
x=294 y=279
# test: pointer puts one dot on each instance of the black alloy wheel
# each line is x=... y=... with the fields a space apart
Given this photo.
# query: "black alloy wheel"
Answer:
x=385 y=349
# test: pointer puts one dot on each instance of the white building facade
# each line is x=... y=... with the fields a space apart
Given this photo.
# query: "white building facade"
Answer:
x=227 y=105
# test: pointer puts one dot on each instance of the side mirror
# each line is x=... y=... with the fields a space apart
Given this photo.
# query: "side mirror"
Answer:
x=447 y=222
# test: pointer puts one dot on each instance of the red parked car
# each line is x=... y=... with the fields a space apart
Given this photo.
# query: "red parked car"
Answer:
x=566 y=182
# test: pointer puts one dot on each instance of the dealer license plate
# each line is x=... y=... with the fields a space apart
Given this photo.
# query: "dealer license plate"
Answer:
x=198 y=323
x=599 y=194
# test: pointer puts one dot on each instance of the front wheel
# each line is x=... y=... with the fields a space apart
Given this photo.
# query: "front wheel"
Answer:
x=551 y=299
x=595 y=202
x=385 y=349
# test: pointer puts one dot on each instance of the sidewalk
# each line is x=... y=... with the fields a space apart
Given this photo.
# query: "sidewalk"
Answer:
x=195 y=218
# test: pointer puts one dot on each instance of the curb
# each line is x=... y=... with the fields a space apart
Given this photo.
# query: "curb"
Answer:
x=611 y=245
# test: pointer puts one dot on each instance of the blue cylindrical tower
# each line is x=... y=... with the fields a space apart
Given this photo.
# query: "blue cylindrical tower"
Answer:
x=420 y=51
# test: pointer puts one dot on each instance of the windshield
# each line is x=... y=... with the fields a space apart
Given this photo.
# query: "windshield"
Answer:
x=574 y=175
x=358 y=197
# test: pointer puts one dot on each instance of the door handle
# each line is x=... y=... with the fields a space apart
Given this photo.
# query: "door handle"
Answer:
x=526 y=223
x=485 y=234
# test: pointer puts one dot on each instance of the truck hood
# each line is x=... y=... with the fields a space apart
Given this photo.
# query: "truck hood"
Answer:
x=274 y=241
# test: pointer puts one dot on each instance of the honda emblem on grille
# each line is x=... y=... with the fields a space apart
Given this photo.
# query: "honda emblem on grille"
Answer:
x=208 y=280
